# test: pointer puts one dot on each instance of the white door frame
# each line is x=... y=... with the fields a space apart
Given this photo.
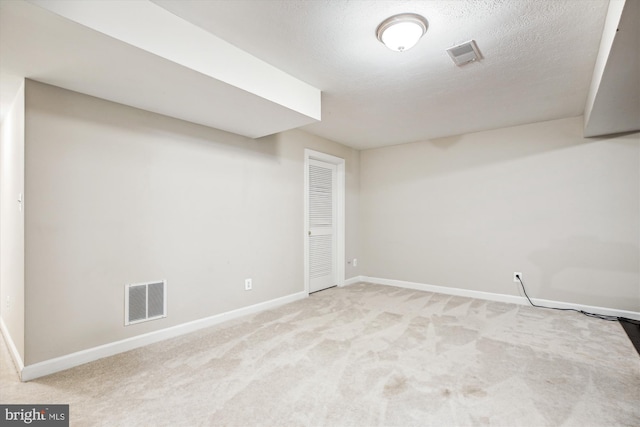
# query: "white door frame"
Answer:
x=340 y=214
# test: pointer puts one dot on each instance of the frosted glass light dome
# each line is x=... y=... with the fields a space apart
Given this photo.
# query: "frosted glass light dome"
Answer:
x=402 y=32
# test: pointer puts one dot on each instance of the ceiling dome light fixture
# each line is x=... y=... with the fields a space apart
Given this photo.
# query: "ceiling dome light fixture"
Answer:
x=402 y=32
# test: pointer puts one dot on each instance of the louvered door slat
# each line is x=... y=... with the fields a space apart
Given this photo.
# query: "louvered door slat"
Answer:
x=321 y=191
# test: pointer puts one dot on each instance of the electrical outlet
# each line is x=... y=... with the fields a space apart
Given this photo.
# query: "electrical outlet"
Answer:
x=517 y=274
x=7 y=303
x=355 y=262
x=248 y=285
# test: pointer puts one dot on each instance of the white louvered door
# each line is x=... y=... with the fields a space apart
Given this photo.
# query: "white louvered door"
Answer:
x=322 y=222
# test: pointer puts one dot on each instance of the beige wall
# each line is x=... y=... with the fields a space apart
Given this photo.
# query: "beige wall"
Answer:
x=119 y=195
x=468 y=211
x=12 y=222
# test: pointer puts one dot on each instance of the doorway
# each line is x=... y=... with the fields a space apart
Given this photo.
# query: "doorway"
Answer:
x=324 y=214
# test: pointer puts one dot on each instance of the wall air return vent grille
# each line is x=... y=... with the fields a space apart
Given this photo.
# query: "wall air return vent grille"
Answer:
x=145 y=301
x=464 y=53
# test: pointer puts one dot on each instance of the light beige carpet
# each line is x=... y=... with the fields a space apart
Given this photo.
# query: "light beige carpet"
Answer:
x=363 y=355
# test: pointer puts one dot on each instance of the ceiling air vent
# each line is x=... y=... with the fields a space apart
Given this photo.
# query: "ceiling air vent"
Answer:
x=464 y=53
x=145 y=301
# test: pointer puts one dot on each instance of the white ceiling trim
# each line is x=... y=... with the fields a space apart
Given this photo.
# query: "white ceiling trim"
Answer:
x=147 y=26
x=613 y=104
x=145 y=57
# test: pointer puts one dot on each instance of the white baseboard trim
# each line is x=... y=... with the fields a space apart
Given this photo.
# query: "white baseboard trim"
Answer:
x=353 y=280
x=61 y=363
x=13 y=350
x=513 y=299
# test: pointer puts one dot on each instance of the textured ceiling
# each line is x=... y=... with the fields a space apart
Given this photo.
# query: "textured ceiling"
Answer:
x=538 y=61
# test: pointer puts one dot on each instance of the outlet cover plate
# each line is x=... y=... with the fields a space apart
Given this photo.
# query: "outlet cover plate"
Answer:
x=248 y=285
x=515 y=278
